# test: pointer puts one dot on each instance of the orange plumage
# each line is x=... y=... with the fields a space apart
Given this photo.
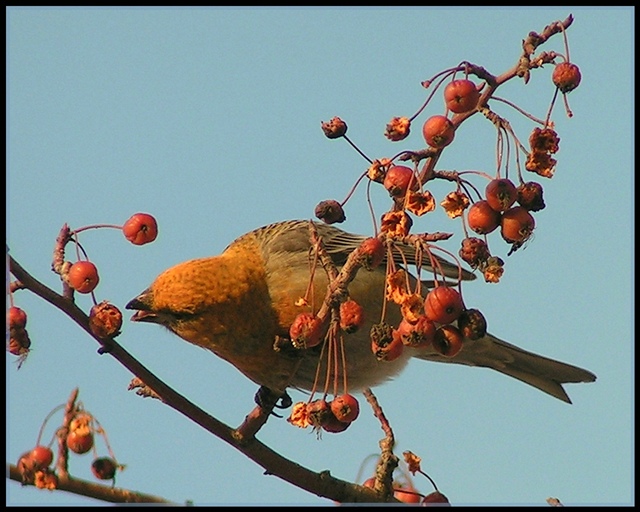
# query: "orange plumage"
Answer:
x=237 y=304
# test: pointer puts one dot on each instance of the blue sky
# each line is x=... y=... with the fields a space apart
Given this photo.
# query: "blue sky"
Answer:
x=209 y=119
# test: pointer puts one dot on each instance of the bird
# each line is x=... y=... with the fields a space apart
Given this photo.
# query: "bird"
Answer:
x=236 y=304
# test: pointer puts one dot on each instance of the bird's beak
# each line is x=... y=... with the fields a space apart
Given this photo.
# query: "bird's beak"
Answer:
x=142 y=305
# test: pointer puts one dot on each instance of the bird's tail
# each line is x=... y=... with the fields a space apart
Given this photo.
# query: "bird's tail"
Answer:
x=538 y=371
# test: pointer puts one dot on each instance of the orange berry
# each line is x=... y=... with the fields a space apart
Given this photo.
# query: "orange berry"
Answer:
x=105 y=320
x=474 y=251
x=566 y=76
x=407 y=495
x=501 y=193
x=16 y=318
x=418 y=335
x=306 y=330
x=371 y=253
x=438 y=131
x=351 y=316
x=436 y=497
x=83 y=277
x=448 y=340
x=79 y=442
x=482 y=218
x=517 y=225
x=345 y=408
x=443 y=304
x=461 y=96
x=140 y=229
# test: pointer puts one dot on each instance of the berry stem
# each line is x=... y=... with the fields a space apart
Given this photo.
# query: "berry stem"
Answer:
x=51 y=413
x=522 y=111
x=95 y=226
x=357 y=149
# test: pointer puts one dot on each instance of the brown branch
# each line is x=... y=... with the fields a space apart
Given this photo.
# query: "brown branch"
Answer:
x=94 y=490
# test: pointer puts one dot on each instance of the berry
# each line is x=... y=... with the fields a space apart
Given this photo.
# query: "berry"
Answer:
x=482 y=218
x=16 y=318
x=83 y=277
x=474 y=251
x=398 y=180
x=443 y=304
x=80 y=442
x=501 y=193
x=345 y=408
x=41 y=456
x=104 y=468
x=448 y=340
x=330 y=211
x=318 y=412
x=517 y=225
x=388 y=349
x=334 y=425
x=407 y=495
x=438 y=131
x=140 y=229
x=334 y=129
x=306 y=330
x=530 y=196
x=418 y=335
x=566 y=76
x=436 y=497
x=461 y=96
x=351 y=316
x=371 y=253
x=105 y=320
x=472 y=324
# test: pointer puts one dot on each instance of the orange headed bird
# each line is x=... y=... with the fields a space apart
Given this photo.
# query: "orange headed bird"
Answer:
x=238 y=303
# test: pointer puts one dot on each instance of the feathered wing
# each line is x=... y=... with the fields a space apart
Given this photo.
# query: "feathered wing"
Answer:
x=339 y=244
x=538 y=371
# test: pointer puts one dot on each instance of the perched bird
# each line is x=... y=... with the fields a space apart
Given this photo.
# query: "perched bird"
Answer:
x=237 y=304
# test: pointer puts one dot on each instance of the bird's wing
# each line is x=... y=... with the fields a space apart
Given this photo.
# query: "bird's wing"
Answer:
x=538 y=371
x=294 y=236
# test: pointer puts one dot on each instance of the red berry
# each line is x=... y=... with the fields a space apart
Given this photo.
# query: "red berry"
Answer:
x=482 y=218
x=79 y=442
x=371 y=253
x=566 y=76
x=398 y=179
x=16 y=318
x=41 y=456
x=83 y=277
x=140 y=229
x=438 y=131
x=474 y=251
x=436 y=497
x=418 y=335
x=461 y=96
x=306 y=330
x=407 y=495
x=443 y=304
x=517 y=225
x=104 y=468
x=351 y=316
x=448 y=340
x=501 y=194
x=345 y=408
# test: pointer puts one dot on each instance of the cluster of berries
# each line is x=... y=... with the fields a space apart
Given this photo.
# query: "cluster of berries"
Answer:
x=105 y=319
x=441 y=320
x=35 y=465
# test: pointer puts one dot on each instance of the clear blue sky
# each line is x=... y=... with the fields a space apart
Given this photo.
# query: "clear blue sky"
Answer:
x=209 y=119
